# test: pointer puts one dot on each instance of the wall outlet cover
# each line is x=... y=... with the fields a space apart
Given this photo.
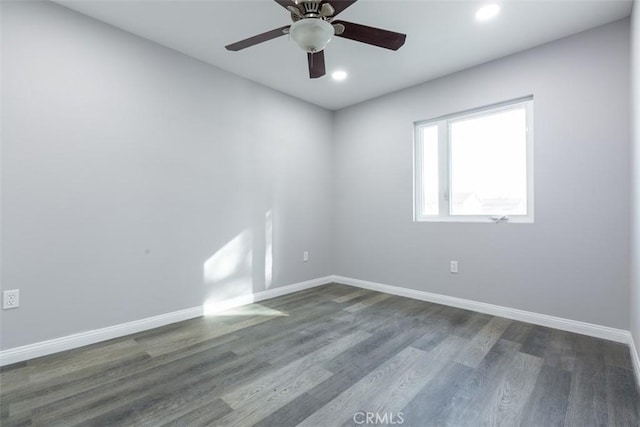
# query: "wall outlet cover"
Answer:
x=453 y=267
x=11 y=299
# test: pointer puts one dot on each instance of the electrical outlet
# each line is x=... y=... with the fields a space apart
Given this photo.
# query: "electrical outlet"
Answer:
x=11 y=299
x=305 y=256
x=453 y=267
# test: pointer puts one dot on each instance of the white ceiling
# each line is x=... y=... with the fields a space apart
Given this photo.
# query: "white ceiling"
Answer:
x=442 y=37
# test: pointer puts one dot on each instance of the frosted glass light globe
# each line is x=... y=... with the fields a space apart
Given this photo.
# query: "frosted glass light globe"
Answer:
x=311 y=34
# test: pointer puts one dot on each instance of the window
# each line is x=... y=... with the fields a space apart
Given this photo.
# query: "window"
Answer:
x=476 y=166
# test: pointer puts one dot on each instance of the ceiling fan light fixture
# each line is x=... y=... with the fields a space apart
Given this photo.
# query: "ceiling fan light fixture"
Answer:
x=311 y=34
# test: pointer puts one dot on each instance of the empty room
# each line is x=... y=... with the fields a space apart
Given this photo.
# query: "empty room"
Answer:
x=320 y=213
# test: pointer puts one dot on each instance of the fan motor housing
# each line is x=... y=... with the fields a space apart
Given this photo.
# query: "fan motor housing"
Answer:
x=309 y=7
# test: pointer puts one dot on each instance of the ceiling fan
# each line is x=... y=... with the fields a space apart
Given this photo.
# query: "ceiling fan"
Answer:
x=313 y=27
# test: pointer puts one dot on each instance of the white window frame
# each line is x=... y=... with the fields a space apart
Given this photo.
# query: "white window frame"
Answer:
x=444 y=164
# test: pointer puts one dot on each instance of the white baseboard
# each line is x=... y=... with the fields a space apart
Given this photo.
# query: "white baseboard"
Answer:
x=43 y=348
x=69 y=342
x=635 y=360
x=605 y=332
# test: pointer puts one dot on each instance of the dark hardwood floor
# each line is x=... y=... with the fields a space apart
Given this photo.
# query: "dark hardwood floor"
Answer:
x=331 y=356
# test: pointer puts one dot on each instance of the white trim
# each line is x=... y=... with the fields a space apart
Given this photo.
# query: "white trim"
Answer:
x=444 y=164
x=635 y=359
x=605 y=332
x=43 y=348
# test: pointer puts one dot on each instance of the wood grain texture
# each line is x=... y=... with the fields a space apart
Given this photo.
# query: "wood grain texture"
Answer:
x=367 y=302
x=384 y=379
x=350 y=296
x=508 y=400
x=549 y=400
x=484 y=340
x=317 y=357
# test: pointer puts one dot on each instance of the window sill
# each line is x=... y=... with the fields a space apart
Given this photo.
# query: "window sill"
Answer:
x=476 y=220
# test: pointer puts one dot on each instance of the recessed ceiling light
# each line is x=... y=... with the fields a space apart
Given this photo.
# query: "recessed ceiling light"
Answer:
x=487 y=12
x=339 y=75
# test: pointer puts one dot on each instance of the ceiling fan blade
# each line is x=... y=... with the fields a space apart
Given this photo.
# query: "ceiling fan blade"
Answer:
x=251 y=41
x=286 y=3
x=370 y=35
x=339 y=5
x=316 y=64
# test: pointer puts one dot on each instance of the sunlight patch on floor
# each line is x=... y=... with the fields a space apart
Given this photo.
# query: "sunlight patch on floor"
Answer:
x=250 y=310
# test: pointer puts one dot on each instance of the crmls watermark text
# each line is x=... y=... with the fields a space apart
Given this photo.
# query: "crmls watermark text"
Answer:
x=373 y=418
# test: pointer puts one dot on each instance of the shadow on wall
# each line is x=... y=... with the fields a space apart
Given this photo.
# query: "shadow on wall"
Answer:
x=242 y=267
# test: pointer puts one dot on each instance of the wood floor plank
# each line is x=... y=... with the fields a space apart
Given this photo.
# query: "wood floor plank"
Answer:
x=588 y=392
x=203 y=405
x=88 y=382
x=435 y=395
x=325 y=347
x=550 y=398
x=119 y=396
x=289 y=333
x=623 y=401
x=474 y=394
x=517 y=331
x=259 y=399
x=12 y=378
x=506 y=405
x=403 y=379
x=378 y=385
x=149 y=410
x=618 y=355
x=378 y=348
x=293 y=413
x=397 y=312
x=367 y=302
x=162 y=346
x=483 y=341
x=192 y=391
x=44 y=369
x=350 y=296
x=37 y=395
x=560 y=350
x=307 y=297
x=259 y=389
x=438 y=330
x=536 y=341
x=277 y=379
x=359 y=361
x=207 y=414
x=467 y=323
x=263 y=402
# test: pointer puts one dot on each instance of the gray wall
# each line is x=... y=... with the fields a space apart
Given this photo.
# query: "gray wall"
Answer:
x=574 y=261
x=635 y=123
x=127 y=166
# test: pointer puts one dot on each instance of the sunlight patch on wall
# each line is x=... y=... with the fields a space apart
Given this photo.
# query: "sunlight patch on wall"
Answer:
x=268 y=253
x=228 y=260
x=228 y=275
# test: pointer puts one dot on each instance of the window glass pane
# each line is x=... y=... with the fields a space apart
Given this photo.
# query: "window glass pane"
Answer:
x=489 y=164
x=430 y=170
